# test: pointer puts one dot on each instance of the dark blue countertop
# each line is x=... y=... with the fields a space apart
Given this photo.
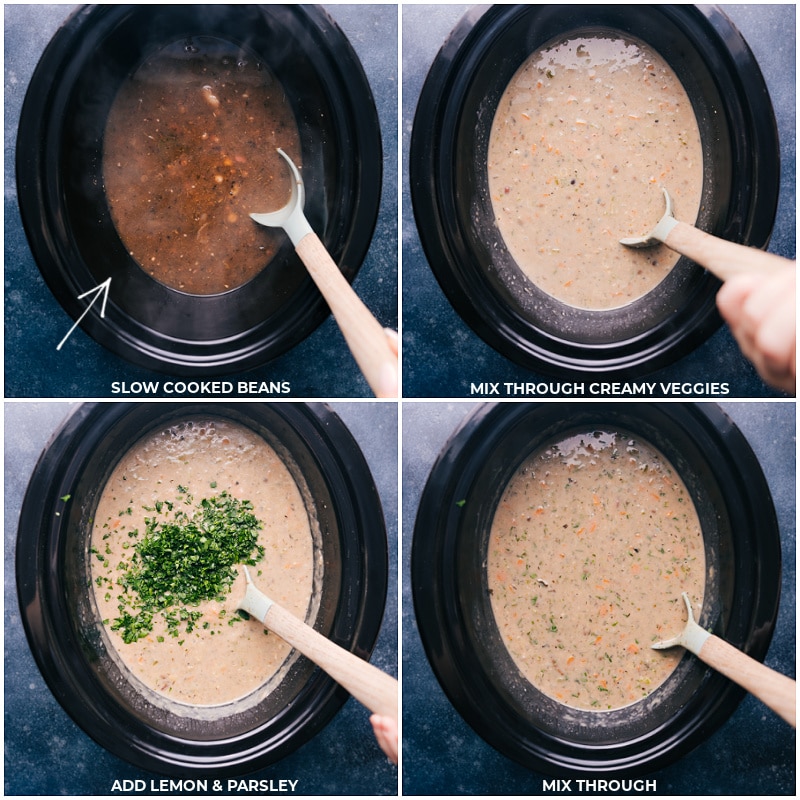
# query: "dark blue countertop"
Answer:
x=752 y=754
x=320 y=366
x=442 y=356
x=46 y=753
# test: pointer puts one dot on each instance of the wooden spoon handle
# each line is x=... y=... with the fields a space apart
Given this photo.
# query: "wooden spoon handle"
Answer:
x=773 y=689
x=369 y=685
x=720 y=257
x=363 y=333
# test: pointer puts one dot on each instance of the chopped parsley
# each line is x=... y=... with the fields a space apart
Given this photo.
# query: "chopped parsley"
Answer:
x=184 y=560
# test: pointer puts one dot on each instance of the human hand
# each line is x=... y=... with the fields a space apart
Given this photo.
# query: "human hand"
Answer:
x=761 y=312
x=388 y=382
x=385 y=730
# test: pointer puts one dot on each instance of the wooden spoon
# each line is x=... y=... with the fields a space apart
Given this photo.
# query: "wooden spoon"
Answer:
x=722 y=258
x=770 y=687
x=369 y=685
x=363 y=333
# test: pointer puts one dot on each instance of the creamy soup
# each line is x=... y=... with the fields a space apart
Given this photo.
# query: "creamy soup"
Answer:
x=592 y=544
x=216 y=656
x=189 y=152
x=586 y=133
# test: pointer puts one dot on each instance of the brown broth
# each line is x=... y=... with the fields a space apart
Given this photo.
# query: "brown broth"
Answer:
x=189 y=152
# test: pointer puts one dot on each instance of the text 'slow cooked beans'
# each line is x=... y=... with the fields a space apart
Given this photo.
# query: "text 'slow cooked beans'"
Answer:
x=586 y=133
x=592 y=544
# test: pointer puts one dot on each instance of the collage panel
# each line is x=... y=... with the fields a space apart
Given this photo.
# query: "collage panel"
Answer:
x=538 y=138
x=293 y=506
x=546 y=547
x=142 y=138
x=110 y=689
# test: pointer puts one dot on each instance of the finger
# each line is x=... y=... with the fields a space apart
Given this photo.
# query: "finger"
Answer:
x=386 y=735
x=775 y=336
x=391 y=337
x=732 y=295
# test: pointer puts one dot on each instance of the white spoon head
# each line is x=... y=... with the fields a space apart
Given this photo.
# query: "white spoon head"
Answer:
x=291 y=217
x=692 y=637
x=255 y=602
x=659 y=232
x=278 y=219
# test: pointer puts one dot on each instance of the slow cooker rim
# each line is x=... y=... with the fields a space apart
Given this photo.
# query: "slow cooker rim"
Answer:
x=465 y=284
x=318 y=701
x=435 y=587
x=359 y=130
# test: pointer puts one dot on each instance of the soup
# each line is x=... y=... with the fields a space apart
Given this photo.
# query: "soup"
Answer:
x=585 y=134
x=190 y=150
x=200 y=653
x=592 y=544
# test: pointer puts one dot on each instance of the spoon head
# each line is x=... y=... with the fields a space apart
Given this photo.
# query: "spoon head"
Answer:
x=640 y=241
x=291 y=217
x=279 y=218
x=659 y=232
x=692 y=637
x=255 y=603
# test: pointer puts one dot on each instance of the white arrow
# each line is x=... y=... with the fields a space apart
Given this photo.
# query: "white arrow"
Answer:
x=103 y=289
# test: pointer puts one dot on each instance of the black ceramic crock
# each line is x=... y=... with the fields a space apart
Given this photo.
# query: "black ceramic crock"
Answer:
x=66 y=637
x=65 y=212
x=453 y=211
x=453 y=609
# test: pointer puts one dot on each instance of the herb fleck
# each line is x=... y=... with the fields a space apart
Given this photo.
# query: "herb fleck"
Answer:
x=182 y=561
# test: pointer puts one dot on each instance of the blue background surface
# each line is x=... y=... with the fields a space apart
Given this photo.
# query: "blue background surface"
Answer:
x=441 y=353
x=753 y=753
x=46 y=753
x=320 y=366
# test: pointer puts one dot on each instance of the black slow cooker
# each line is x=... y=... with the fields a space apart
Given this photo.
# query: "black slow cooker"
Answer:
x=453 y=609
x=65 y=211
x=67 y=639
x=453 y=211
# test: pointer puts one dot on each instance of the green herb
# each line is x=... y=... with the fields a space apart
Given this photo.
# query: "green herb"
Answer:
x=181 y=562
x=66 y=497
x=460 y=503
